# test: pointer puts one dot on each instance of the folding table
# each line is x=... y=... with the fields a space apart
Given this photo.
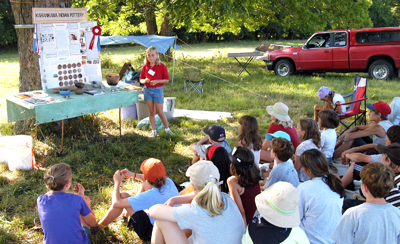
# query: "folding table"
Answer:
x=79 y=105
x=250 y=56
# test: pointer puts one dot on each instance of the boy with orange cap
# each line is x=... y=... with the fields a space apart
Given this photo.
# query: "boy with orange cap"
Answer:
x=155 y=189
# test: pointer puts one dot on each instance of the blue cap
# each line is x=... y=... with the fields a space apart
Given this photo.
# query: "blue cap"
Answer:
x=277 y=134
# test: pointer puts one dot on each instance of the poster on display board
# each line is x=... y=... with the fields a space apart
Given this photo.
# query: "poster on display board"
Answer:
x=65 y=56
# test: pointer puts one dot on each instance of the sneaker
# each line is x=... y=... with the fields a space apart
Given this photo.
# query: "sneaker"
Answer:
x=168 y=131
x=153 y=134
x=184 y=169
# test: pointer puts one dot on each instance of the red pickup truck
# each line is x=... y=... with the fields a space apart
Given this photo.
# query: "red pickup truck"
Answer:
x=374 y=50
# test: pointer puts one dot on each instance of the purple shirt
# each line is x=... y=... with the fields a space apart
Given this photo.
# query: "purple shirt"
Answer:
x=59 y=214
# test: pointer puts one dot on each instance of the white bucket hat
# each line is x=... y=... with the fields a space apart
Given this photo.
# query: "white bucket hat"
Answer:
x=201 y=172
x=278 y=204
x=279 y=111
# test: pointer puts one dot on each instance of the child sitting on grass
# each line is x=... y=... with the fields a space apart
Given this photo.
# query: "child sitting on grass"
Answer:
x=321 y=198
x=310 y=137
x=244 y=183
x=65 y=217
x=281 y=151
x=375 y=221
x=249 y=136
x=156 y=188
x=215 y=135
x=328 y=120
x=212 y=216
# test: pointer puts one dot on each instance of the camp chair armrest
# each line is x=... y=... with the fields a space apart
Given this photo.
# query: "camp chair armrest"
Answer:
x=347 y=95
x=355 y=101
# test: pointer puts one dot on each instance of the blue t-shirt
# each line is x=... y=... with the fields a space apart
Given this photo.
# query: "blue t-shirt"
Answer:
x=284 y=171
x=147 y=199
x=59 y=214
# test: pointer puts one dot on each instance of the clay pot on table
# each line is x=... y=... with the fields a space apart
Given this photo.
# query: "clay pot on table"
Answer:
x=79 y=90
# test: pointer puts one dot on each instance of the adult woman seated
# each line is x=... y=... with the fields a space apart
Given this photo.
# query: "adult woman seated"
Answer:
x=280 y=122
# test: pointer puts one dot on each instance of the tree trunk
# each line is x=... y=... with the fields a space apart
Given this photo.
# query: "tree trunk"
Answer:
x=151 y=23
x=166 y=28
x=29 y=73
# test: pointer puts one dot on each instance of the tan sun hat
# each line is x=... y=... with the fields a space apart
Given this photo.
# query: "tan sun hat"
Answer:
x=280 y=111
x=201 y=172
x=278 y=204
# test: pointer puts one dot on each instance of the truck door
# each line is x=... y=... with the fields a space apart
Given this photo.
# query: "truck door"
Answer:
x=340 y=51
x=316 y=54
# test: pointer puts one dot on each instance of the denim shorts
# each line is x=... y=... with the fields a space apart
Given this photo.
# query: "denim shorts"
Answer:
x=155 y=94
x=88 y=233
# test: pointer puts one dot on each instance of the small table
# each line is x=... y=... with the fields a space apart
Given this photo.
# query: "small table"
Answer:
x=79 y=105
x=250 y=56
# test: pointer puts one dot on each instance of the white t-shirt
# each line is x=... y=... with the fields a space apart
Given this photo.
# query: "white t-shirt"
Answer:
x=369 y=223
x=328 y=142
x=339 y=98
x=256 y=156
x=320 y=210
x=227 y=228
x=304 y=146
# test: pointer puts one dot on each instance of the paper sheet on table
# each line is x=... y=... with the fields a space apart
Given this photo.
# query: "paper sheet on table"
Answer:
x=94 y=53
x=75 y=49
x=91 y=70
x=62 y=39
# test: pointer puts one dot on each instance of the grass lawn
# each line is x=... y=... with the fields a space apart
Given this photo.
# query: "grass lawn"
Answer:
x=94 y=155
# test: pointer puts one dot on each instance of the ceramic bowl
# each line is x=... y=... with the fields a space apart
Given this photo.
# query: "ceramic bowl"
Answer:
x=80 y=85
x=64 y=92
x=112 y=79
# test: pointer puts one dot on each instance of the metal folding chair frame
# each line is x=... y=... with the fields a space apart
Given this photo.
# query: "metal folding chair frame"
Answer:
x=193 y=85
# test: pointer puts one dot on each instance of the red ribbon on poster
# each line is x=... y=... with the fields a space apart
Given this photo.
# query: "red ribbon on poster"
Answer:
x=96 y=32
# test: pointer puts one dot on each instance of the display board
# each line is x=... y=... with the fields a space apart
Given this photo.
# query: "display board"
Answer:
x=65 y=56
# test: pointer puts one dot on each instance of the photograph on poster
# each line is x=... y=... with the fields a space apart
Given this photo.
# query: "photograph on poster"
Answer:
x=83 y=51
x=96 y=61
x=89 y=62
x=83 y=62
x=73 y=37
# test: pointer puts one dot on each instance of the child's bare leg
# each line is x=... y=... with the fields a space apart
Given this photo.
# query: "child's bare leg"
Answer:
x=317 y=108
x=113 y=212
x=152 y=114
x=195 y=158
x=167 y=232
x=161 y=114
x=339 y=150
x=348 y=176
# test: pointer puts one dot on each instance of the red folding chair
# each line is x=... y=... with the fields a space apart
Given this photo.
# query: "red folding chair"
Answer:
x=354 y=106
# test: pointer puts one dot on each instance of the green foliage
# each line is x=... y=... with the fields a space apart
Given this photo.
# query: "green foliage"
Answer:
x=7 y=31
x=382 y=13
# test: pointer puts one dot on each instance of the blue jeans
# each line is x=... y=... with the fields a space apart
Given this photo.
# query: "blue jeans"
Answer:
x=155 y=94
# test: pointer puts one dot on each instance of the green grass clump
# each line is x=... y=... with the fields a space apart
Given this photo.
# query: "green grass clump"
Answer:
x=95 y=154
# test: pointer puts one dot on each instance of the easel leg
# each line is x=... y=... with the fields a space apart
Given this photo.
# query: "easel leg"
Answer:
x=36 y=131
x=62 y=136
x=120 y=127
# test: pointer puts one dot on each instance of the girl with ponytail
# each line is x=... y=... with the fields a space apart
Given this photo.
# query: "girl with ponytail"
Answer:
x=65 y=217
x=212 y=216
x=244 y=183
x=321 y=198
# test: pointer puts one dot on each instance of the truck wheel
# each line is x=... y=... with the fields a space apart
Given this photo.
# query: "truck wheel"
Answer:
x=284 y=68
x=381 y=70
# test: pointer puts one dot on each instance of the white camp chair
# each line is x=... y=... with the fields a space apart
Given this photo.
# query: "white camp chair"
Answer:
x=193 y=80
